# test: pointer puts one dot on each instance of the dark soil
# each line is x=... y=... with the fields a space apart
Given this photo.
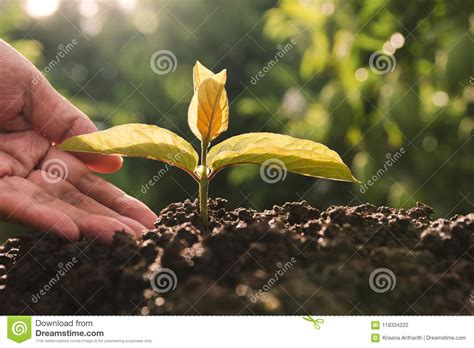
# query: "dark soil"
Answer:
x=293 y=259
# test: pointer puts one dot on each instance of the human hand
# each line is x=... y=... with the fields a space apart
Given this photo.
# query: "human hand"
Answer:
x=45 y=188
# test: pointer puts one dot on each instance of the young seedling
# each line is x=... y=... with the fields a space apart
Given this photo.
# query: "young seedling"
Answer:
x=208 y=116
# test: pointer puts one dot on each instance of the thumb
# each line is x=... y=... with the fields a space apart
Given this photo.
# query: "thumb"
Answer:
x=58 y=119
x=50 y=114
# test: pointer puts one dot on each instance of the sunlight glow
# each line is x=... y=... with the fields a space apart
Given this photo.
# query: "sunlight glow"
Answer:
x=41 y=8
x=145 y=21
x=91 y=25
x=127 y=5
x=88 y=8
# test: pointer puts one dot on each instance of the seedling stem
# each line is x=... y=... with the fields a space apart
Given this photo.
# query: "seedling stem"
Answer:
x=203 y=185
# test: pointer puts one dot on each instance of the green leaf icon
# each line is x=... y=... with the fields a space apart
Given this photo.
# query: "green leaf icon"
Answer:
x=19 y=328
x=316 y=322
x=375 y=338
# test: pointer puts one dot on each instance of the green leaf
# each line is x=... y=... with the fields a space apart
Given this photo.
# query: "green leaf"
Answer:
x=137 y=140
x=295 y=155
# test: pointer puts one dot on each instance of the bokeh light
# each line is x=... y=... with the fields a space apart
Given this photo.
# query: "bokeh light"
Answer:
x=361 y=74
x=440 y=98
x=88 y=8
x=397 y=40
x=41 y=8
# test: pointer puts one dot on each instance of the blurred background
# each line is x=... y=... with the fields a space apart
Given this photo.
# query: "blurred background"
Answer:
x=389 y=85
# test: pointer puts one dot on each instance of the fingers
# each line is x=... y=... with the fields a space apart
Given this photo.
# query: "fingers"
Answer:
x=20 y=207
x=20 y=152
x=100 y=163
x=102 y=191
x=111 y=196
x=30 y=102
x=51 y=114
x=12 y=88
x=26 y=200
x=66 y=192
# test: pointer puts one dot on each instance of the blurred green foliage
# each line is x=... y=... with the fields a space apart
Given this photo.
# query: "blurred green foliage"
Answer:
x=322 y=88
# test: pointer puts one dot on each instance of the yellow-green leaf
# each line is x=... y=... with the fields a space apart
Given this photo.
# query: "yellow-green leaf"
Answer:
x=300 y=156
x=200 y=73
x=208 y=113
x=137 y=140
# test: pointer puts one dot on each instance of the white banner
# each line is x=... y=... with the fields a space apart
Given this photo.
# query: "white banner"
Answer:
x=237 y=331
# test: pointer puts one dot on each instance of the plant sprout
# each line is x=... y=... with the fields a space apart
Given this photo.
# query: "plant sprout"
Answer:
x=208 y=117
